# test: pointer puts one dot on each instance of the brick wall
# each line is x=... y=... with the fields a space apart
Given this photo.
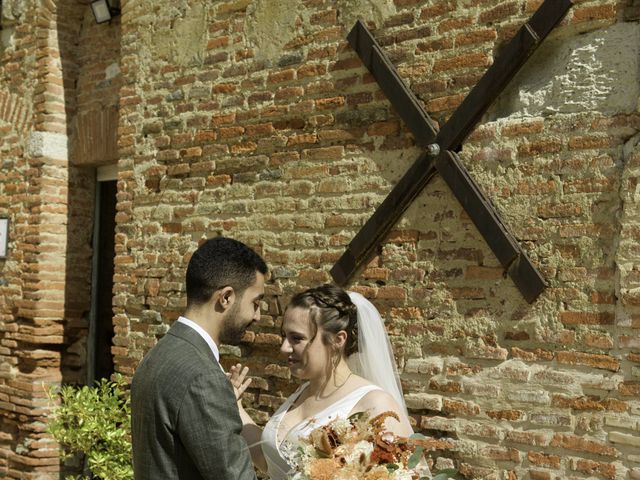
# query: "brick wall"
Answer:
x=280 y=138
x=45 y=280
x=290 y=149
x=286 y=142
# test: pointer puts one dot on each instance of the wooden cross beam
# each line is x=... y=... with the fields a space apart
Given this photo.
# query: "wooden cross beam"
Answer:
x=441 y=147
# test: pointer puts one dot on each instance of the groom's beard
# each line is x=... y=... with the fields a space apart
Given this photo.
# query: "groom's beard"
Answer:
x=233 y=328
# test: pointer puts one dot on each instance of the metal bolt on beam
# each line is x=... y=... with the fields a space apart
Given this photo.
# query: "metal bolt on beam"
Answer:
x=433 y=149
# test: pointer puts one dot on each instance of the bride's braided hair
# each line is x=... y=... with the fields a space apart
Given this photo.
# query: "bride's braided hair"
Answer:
x=331 y=310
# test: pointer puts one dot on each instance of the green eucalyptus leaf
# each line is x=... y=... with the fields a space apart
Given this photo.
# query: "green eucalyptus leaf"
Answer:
x=392 y=467
x=356 y=416
x=415 y=457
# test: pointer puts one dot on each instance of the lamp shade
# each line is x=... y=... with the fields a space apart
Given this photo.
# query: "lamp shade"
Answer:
x=101 y=11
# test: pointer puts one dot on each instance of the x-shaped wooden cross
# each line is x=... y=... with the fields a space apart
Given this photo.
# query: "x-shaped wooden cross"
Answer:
x=441 y=147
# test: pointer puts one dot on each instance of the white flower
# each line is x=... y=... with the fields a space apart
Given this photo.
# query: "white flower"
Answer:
x=352 y=454
x=342 y=427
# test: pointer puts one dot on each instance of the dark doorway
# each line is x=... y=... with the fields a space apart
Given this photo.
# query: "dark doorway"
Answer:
x=101 y=326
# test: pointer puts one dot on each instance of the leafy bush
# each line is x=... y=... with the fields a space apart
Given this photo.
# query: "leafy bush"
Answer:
x=95 y=421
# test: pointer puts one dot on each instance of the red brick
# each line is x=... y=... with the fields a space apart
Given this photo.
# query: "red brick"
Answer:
x=446 y=386
x=460 y=408
x=511 y=415
x=230 y=132
x=329 y=103
x=633 y=357
x=455 y=24
x=580 y=444
x=590 y=142
x=544 y=460
x=527 y=438
x=346 y=64
x=532 y=355
x=559 y=210
x=587 y=318
x=603 y=341
x=281 y=77
x=413 y=33
x=445 y=103
x=540 y=147
x=303 y=138
x=596 y=12
x=629 y=389
x=436 y=9
x=224 y=88
x=327 y=16
x=311 y=70
x=500 y=12
x=223 y=119
x=484 y=273
x=259 y=129
x=462 y=61
x=384 y=128
x=604 y=362
x=434 y=46
x=606 y=470
x=501 y=454
x=288 y=93
x=590 y=185
x=539 y=475
x=243 y=147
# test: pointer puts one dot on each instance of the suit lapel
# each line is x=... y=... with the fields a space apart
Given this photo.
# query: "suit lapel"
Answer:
x=188 y=334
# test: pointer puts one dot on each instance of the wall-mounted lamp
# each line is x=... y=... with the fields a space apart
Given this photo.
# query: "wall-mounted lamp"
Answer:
x=4 y=236
x=105 y=10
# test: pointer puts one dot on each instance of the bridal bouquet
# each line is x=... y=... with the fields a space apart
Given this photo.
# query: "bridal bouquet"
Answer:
x=359 y=448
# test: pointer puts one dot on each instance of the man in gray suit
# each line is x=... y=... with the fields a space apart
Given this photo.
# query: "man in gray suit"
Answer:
x=185 y=420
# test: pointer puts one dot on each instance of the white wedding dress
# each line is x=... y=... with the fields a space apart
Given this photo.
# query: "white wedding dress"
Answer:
x=276 y=455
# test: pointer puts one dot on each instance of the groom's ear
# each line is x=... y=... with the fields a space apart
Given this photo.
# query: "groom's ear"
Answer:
x=224 y=298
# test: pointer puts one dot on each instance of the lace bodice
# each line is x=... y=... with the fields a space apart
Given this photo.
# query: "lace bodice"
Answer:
x=277 y=455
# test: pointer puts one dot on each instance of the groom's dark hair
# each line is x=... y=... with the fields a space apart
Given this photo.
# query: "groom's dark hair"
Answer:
x=221 y=262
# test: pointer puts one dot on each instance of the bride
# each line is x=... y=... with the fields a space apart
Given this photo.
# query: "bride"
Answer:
x=336 y=342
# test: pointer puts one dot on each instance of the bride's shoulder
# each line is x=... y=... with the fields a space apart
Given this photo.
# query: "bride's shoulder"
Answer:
x=377 y=401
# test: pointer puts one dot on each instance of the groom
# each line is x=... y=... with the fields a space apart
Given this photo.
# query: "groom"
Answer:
x=185 y=421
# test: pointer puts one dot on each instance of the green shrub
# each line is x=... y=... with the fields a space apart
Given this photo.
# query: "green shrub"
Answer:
x=96 y=422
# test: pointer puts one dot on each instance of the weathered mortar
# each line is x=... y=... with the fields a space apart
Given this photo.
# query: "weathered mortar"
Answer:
x=594 y=71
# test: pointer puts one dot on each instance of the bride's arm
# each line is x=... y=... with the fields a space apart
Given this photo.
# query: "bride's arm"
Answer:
x=379 y=401
x=251 y=432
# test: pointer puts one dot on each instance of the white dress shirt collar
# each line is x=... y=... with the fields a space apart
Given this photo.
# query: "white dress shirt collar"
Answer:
x=201 y=331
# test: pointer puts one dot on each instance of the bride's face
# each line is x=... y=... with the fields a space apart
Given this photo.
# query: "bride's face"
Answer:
x=307 y=355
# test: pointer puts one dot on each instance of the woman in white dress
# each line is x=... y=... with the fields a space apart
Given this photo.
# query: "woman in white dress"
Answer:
x=336 y=342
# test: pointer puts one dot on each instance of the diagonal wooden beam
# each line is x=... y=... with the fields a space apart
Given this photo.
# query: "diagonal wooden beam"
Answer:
x=484 y=216
x=401 y=97
x=450 y=137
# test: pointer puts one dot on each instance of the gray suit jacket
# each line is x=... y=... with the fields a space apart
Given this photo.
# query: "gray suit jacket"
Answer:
x=185 y=421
